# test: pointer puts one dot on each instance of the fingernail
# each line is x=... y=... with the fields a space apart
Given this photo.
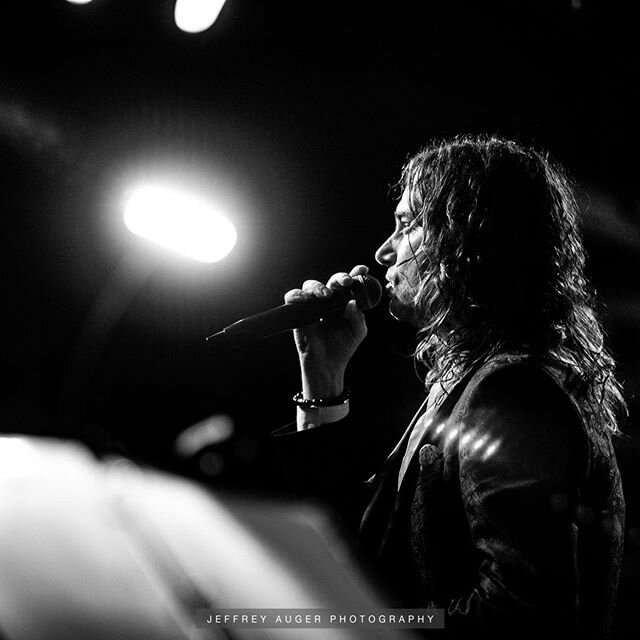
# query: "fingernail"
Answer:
x=351 y=307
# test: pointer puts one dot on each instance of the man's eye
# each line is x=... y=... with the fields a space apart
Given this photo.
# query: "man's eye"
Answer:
x=404 y=224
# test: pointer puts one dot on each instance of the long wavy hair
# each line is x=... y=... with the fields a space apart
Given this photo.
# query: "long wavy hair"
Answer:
x=502 y=265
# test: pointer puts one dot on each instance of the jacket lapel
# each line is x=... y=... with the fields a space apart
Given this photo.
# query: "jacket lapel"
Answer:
x=387 y=501
x=377 y=516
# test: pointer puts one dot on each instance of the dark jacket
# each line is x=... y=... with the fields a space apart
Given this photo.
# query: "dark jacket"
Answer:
x=510 y=516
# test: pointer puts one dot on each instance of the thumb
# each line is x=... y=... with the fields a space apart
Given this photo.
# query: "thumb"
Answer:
x=353 y=314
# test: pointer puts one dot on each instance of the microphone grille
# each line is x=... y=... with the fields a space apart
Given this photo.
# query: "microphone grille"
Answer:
x=367 y=292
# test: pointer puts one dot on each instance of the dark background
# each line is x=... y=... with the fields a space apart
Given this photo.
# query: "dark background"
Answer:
x=299 y=115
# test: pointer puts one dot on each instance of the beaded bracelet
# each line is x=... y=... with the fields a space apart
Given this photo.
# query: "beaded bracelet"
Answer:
x=315 y=403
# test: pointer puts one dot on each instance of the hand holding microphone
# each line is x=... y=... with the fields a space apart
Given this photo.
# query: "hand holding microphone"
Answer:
x=328 y=323
x=326 y=347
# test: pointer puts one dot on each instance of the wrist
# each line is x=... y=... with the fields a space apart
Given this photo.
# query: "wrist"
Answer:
x=320 y=402
x=322 y=386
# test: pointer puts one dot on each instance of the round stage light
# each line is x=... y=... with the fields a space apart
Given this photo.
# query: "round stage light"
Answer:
x=180 y=221
x=194 y=16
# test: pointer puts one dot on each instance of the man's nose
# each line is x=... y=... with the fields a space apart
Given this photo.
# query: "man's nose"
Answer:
x=386 y=253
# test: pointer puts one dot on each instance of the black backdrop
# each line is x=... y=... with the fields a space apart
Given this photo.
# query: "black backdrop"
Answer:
x=300 y=115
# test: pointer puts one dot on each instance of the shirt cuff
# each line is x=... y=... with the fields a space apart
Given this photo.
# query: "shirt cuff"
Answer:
x=314 y=417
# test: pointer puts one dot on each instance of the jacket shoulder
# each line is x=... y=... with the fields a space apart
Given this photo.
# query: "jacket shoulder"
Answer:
x=511 y=381
x=525 y=408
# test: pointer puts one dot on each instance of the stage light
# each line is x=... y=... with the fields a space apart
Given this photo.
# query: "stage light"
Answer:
x=180 y=221
x=194 y=16
x=17 y=457
x=79 y=1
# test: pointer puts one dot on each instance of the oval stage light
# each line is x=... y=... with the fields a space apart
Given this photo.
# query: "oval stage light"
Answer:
x=180 y=221
x=194 y=16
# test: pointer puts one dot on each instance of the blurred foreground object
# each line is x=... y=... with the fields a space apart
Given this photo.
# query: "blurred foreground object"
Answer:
x=104 y=550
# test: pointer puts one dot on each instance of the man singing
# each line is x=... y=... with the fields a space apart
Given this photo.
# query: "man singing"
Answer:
x=502 y=502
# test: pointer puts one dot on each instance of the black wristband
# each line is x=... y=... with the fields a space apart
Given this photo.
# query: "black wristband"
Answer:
x=315 y=403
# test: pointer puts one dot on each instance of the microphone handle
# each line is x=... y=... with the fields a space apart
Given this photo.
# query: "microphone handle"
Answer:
x=283 y=318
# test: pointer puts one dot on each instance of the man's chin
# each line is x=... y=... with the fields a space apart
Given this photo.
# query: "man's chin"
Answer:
x=402 y=312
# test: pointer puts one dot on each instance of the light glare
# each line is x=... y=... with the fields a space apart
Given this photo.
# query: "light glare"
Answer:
x=194 y=16
x=491 y=449
x=452 y=434
x=79 y=1
x=180 y=221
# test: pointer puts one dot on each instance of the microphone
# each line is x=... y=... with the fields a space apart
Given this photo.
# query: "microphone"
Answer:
x=366 y=291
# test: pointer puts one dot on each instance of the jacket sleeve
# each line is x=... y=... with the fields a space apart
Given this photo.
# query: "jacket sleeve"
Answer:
x=329 y=463
x=522 y=452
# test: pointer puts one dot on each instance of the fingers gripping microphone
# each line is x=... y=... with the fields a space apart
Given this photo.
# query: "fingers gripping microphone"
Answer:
x=366 y=291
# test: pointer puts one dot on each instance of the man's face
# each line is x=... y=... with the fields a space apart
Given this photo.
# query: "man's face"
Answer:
x=400 y=253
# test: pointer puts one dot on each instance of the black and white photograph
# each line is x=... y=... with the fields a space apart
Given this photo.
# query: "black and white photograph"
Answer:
x=321 y=320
